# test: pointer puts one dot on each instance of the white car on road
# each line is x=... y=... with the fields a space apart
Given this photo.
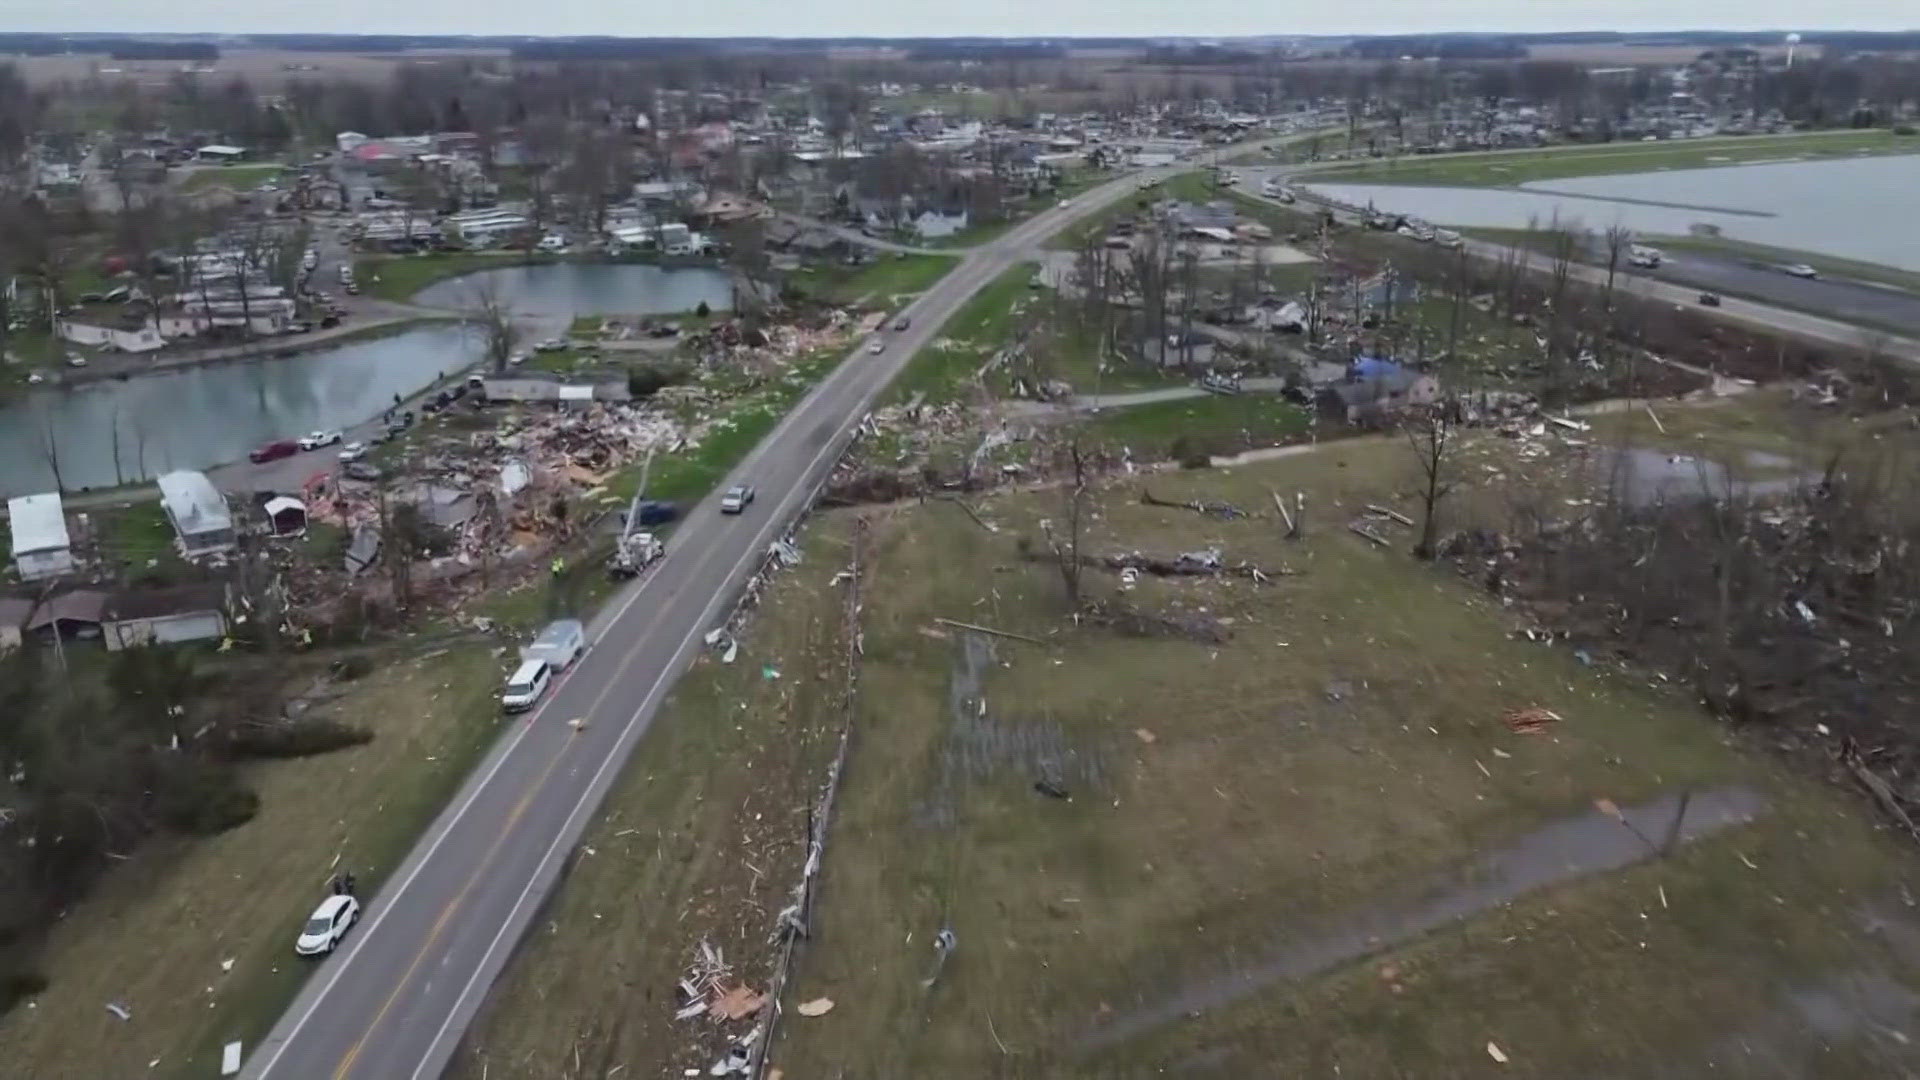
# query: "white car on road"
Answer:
x=736 y=499
x=352 y=452
x=314 y=440
x=327 y=925
x=1800 y=270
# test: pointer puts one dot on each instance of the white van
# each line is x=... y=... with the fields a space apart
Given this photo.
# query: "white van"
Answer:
x=525 y=687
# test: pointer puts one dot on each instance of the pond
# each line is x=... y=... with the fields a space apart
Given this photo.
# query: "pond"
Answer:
x=1859 y=208
x=576 y=288
x=196 y=418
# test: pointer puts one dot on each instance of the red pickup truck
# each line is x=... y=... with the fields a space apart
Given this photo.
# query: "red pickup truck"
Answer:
x=274 y=451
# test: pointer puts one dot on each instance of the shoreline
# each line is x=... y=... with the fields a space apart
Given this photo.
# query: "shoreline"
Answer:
x=279 y=349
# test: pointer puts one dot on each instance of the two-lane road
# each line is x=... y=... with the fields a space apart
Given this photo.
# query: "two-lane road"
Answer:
x=393 y=1003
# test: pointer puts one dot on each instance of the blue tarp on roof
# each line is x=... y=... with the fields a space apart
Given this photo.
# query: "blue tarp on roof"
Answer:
x=1372 y=367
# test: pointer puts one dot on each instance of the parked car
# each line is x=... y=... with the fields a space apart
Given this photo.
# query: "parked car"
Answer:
x=329 y=321
x=346 y=273
x=314 y=440
x=551 y=345
x=1708 y=299
x=352 y=452
x=363 y=471
x=1800 y=270
x=737 y=498
x=299 y=328
x=525 y=686
x=559 y=643
x=353 y=289
x=273 y=451
x=327 y=925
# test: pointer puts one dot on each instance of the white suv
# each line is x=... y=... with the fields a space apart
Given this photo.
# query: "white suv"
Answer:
x=327 y=925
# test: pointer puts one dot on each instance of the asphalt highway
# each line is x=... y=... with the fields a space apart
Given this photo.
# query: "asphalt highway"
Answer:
x=396 y=998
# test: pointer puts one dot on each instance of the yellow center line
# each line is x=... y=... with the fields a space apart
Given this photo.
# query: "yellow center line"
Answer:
x=439 y=924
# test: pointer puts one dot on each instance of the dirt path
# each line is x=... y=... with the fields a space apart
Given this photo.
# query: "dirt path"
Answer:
x=1592 y=843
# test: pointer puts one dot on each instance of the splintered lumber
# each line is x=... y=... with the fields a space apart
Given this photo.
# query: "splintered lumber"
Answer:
x=956 y=623
x=1361 y=530
x=1386 y=511
x=1280 y=504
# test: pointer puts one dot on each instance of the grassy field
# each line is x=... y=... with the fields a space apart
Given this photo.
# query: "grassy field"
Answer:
x=1271 y=860
x=944 y=368
x=1502 y=169
x=886 y=282
x=237 y=177
x=1240 y=803
x=155 y=933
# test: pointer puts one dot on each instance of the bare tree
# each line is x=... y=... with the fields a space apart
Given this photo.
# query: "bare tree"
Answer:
x=1431 y=434
x=495 y=318
x=1618 y=239
x=1066 y=549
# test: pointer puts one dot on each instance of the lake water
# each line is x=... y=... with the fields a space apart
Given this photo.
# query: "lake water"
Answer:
x=569 y=288
x=1861 y=208
x=200 y=417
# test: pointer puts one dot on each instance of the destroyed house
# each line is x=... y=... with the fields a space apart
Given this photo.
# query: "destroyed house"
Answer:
x=1376 y=399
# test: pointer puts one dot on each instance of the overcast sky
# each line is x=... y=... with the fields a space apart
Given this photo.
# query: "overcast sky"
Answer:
x=935 y=18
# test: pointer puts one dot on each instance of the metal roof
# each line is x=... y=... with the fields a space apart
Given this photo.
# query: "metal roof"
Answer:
x=193 y=503
x=38 y=523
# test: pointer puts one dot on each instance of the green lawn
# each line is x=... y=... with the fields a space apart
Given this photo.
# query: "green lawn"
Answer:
x=1214 y=424
x=1501 y=168
x=399 y=277
x=237 y=177
x=882 y=281
x=943 y=368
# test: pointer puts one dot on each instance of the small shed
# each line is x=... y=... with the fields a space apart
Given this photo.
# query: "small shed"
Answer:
x=41 y=546
x=221 y=154
x=164 y=616
x=286 y=516
x=72 y=614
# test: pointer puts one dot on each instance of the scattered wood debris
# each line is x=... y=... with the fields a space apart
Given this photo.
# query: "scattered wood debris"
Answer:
x=737 y=1003
x=1528 y=721
x=1359 y=528
x=1497 y=1054
x=1210 y=509
x=1389 y=512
